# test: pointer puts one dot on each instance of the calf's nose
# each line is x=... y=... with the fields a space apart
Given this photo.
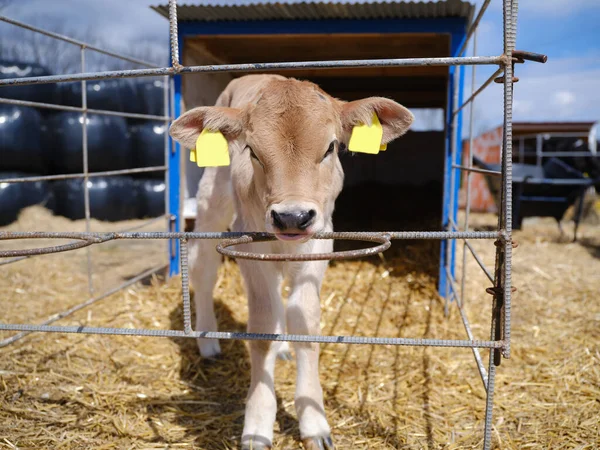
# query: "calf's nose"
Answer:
x=294 y=219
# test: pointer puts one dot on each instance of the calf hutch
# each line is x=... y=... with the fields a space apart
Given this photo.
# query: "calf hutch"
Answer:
x=404 y=188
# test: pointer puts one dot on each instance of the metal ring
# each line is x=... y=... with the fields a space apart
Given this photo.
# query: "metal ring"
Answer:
x=80 y=243
x=383 y=240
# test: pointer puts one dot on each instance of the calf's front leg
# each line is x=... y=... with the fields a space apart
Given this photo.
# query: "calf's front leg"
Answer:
x=303 y=317
x=266 y=315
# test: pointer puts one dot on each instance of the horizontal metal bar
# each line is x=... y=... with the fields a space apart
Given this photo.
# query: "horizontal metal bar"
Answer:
x=474 y=26
x=107 y=236
x=82 y=44
x=358 y=340
x=477 y=170
x=124 y=230
x=530 y=56
x=26 y=329
x=478 y=91
x=258 y=67
x=70 y=176
x=101 y=112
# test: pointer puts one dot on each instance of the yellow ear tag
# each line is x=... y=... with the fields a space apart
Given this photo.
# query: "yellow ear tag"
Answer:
x=211 y=149
x=383 y=147
x=193 y=155
x=366 y=138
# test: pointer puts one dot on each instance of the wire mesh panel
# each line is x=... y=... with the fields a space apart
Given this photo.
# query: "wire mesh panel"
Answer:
x=499 y=343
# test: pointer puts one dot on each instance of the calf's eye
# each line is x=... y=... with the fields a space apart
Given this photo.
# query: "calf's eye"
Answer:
x=330 y=150
x=253 y=155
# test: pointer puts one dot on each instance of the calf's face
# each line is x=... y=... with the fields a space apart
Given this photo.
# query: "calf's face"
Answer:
x=284 y=164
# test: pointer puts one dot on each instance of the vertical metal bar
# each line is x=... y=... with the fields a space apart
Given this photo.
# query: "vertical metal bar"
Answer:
x=502 y=285
x=489 y=401
x=469 y=175
x=508 y=100
x=86 y=188
x=185 y=286
x=173 y=33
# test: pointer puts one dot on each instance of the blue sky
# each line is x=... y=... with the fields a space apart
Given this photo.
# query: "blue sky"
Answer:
x=567 y=87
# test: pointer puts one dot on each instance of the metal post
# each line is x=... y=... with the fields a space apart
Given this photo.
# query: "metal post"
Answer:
x=173 y=33
x=502 y=287
x=185 y=286
x=86 y=179
x=508 y=242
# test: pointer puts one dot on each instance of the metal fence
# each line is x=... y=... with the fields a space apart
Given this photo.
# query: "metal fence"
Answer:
x=500 y=277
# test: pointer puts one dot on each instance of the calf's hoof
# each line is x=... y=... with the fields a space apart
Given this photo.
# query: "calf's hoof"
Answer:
x=318 y=443
x=254 y=445
x=209 y=348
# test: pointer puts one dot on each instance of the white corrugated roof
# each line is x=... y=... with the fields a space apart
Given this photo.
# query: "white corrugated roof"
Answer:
x=238 y=10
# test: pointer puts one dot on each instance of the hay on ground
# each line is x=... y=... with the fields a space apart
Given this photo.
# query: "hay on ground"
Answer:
x=124 y=392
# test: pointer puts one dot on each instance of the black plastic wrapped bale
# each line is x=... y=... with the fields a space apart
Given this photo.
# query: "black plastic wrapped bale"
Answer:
x=109 y=143
x=148 y=146
x=152 y=197
x=16 y=196
x=151 y=98
x=44 y=93
x=112 y=95
x=20 y=139
x=111 y=198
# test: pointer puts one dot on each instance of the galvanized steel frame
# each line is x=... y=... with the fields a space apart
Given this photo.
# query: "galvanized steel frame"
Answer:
x=501 y=277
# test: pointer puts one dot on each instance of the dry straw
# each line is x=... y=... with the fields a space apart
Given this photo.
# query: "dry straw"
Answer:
x=83 y=392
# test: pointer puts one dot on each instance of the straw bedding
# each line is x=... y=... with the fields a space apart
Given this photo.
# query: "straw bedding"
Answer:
x=82 y=392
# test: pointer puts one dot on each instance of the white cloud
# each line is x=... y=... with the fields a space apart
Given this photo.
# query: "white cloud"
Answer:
x=556 y=91
x=564 y=98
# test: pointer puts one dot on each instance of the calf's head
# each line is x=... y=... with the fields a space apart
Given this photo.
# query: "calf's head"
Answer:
x=284 y=146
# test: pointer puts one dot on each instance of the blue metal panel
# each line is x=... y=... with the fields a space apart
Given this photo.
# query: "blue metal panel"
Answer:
x=454 y=25
x=457 y=173
x=443 y=286
x=443 y=282
x=175 y=178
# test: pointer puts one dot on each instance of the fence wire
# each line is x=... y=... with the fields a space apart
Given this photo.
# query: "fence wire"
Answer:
x=500 y=277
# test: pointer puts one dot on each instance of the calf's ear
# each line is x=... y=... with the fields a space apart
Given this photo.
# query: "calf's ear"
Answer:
x=394 y=118
x=189 y=125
